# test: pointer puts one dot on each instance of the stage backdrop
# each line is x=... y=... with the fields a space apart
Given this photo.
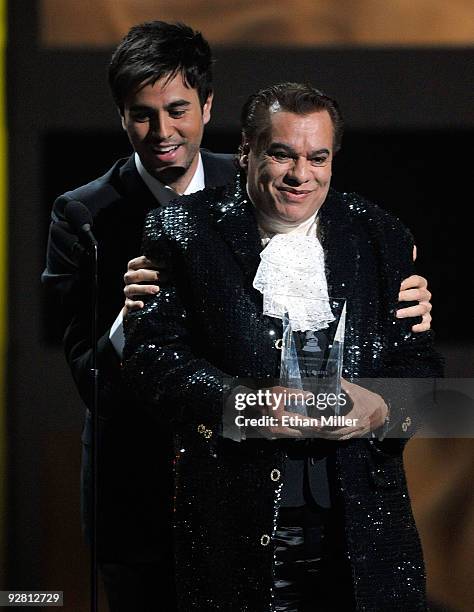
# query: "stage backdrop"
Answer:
x=96 y=23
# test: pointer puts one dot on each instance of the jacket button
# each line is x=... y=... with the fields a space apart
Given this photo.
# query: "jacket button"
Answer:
x=275 y=475
x=207 y=433
x=265 y=540
x=279 y=344
x=406 y=424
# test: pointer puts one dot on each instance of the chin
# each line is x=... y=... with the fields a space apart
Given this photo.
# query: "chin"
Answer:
x=294 y=216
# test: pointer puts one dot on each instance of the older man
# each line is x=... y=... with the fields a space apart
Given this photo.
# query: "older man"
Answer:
x=206 y=327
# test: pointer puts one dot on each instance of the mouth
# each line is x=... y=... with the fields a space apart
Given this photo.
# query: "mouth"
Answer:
x=294 y=195
x=165 y=153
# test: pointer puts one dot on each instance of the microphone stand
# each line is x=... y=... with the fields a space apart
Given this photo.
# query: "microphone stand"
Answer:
x=80 y=219
x=95 y=430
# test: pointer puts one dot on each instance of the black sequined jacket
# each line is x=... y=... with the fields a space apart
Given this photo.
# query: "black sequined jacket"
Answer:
x=206 y=325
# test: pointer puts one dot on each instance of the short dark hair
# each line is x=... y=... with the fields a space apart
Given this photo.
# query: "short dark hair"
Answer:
x=156 y=49
x=296 y=98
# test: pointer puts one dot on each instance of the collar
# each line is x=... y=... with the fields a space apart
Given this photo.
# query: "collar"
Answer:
x=161 y=191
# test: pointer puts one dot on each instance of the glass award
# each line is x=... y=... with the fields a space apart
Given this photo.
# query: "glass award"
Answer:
x=311 y=360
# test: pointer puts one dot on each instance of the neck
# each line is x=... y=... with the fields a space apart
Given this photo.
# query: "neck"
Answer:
x=270 y=225
x=176 y=178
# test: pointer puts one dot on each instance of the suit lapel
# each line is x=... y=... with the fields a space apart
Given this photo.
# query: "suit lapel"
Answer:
x=339 y=242
x=218 y=169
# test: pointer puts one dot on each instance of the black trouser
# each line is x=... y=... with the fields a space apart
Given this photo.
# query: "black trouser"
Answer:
x=311 y=571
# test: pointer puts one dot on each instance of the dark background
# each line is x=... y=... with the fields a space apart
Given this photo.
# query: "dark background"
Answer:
x=410 y=123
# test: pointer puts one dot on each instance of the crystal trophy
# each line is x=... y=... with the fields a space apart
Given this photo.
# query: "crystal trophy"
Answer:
x=311 y=360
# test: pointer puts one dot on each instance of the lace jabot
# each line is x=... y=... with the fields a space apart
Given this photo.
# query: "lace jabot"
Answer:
x=292 y=279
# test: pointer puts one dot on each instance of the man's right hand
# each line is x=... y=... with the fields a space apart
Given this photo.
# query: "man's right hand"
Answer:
x=140 y=279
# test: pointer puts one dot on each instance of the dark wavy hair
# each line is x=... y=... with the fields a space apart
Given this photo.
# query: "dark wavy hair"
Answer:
x=155 y=50
x=297 y=98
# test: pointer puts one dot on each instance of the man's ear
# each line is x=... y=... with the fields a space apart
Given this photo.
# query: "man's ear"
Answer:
x=206 y=109
x=122 y=118
x=244 y=150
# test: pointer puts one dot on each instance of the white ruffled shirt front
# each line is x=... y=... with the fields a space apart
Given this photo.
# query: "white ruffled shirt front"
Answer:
x=291 y=274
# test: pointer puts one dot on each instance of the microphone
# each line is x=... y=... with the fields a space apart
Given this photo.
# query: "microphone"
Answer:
x=67 y=242
x=80 y=219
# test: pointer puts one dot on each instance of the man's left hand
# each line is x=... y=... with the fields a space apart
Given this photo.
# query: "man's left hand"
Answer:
x=415 y=289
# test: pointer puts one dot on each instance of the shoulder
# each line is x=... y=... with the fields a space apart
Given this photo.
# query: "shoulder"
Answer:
x=378 y=222
x=184 y=209
x=95 y=195
x=191 y=217
x=219 y=168
x=224 y=160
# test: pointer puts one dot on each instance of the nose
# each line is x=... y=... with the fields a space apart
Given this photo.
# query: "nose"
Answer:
x=299 y=171
x=162 y=126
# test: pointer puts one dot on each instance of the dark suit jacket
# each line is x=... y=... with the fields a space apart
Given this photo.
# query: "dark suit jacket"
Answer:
x=134 y=482
x=186 y=350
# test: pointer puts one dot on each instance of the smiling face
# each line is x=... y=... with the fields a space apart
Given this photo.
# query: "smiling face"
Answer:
x=164 y=123
x=288 y=175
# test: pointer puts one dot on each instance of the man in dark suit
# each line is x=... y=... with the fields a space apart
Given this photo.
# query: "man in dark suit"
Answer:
x=208 y=330
x=160 y=77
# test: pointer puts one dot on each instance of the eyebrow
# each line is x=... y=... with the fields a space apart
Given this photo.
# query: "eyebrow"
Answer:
x=136 y=107
x=170 y=106
x=288 y=149
x=177 y=103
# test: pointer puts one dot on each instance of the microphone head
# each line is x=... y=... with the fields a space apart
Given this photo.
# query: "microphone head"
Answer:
x=78 y=216
x=62 y=238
